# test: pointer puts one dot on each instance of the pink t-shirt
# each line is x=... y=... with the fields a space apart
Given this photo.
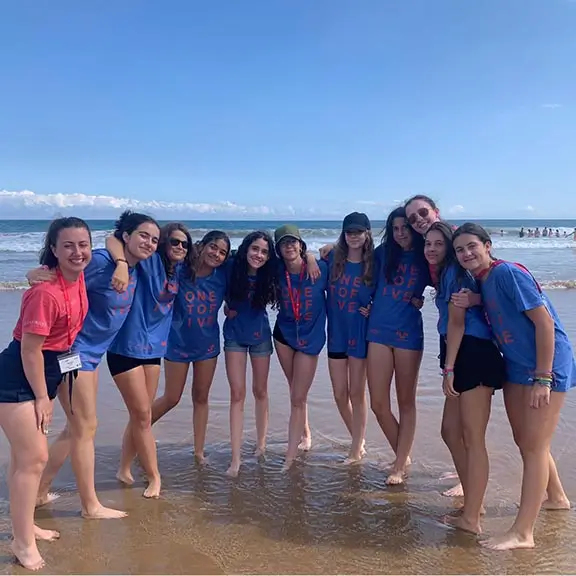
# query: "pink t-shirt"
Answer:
x=45 y=311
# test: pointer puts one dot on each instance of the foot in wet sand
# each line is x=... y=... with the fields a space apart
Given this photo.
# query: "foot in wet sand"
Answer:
x=353 y=459
x=454 y=492
x=44 y=499
x=200 y=459
x=46 y=535
x=395 y=478
x=305 y=444
x=125 y=476
x=563 y=504
x=459 y=505
x=103 y=513
x=260 y=452
x=287 y=465
x=153 y=488
x=28 y=556
x=509 y=541
x=461 y=523
x=233 y=470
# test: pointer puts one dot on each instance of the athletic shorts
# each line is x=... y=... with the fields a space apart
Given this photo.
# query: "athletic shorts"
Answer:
x=479 y=363
x=118 y=364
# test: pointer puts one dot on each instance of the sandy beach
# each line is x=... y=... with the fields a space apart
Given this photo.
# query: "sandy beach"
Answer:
x=321 y=517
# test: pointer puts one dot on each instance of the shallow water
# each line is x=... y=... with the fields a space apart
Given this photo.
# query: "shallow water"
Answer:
x=321 y=517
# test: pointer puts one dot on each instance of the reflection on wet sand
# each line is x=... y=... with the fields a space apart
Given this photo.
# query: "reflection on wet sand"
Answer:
x=321 y=517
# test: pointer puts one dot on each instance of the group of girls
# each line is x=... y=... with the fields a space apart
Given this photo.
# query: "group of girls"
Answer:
x=152 y=293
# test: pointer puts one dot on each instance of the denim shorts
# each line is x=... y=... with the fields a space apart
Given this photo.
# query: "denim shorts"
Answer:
x=256 y=350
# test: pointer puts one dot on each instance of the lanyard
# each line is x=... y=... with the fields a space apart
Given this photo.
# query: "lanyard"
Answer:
x=68 y=305
x=295 y=296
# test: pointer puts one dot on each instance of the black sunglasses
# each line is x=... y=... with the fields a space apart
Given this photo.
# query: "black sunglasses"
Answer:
x=175 y=242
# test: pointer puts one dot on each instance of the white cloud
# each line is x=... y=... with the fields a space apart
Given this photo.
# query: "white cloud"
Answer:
x=528 y=208
x=551 y=106
x=457 y=209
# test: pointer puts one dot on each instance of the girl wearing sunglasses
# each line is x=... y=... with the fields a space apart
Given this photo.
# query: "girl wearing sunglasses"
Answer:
x=134 y=357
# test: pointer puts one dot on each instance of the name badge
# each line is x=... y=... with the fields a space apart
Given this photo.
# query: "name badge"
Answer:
x=69 y=362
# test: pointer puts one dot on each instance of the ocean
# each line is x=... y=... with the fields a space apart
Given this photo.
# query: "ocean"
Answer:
x=551 y=260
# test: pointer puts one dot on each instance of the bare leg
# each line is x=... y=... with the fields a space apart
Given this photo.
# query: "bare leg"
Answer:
x=175 y=374
x=29 y=454
x=260 y=372
x=303 y=376
x=451 y=432
x=236 y=372
x=57 y=455
x=537 y=428
x=338 y=369
x=407 y=366
x=82 y=425
x=152 y=376
x=474 y=415
x=201 y=383
x=132 y=386
x=357 y=374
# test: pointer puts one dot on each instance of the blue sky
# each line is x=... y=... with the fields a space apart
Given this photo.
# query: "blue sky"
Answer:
x=241 y=108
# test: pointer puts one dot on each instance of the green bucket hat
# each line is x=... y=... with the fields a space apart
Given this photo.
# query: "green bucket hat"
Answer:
x=287 y=231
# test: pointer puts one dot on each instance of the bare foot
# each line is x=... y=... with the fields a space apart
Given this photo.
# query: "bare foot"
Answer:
x=44 y=499
x=563 y=504
x=260 y=452
x=200 y=459
x=461 y=523
x=153 y=488
x=353 y=459
x=509 y=541
x=125 y=476
x=305 y=444
x=395 y=478
x=459 y=505
x=28 y=556
x=233 y=470
x=287 y=465
x=103 y=513
x=455 y=491
x=47 y=535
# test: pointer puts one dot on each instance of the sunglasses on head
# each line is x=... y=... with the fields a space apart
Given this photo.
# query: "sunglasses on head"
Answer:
x=175 y=242
x=422 y=212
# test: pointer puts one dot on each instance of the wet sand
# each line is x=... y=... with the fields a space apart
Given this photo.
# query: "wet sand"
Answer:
x=319 y=518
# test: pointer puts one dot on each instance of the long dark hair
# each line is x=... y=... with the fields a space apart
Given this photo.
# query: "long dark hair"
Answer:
x=198 y=247
x=473 y=229
x=450 y=258
x=265 y=293
x=165 y=234
x=47 y=256
x=129 y=222
x=392 y=250
x=341 y=255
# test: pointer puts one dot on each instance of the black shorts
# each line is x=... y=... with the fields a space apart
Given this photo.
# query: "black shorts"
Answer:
x=14 y=386
x=118 y=364
x=279 y=337
x=479 y=363
x=337 y=355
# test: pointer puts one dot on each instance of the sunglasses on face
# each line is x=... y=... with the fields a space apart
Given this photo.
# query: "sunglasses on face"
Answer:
x=422 y=212
x=175 y=242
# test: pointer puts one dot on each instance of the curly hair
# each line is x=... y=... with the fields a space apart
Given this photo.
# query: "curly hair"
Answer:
x=266 y=290
x=341 y=255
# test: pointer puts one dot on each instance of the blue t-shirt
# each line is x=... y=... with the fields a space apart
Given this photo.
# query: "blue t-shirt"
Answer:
x=452 y=280
x=309 y=334
x=250 y=326
x=346 y=326
x=508 y=292
x=145 y=332
x=195 y=333
x=107 y=309
x=394 y=321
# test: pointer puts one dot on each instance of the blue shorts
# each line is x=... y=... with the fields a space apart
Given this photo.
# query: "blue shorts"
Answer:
x=262 y=349
x=14 y=386
x=563 y=377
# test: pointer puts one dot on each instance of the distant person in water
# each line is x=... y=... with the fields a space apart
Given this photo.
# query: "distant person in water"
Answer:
x=521 y=234
x=530 y=233
x=537 y=233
